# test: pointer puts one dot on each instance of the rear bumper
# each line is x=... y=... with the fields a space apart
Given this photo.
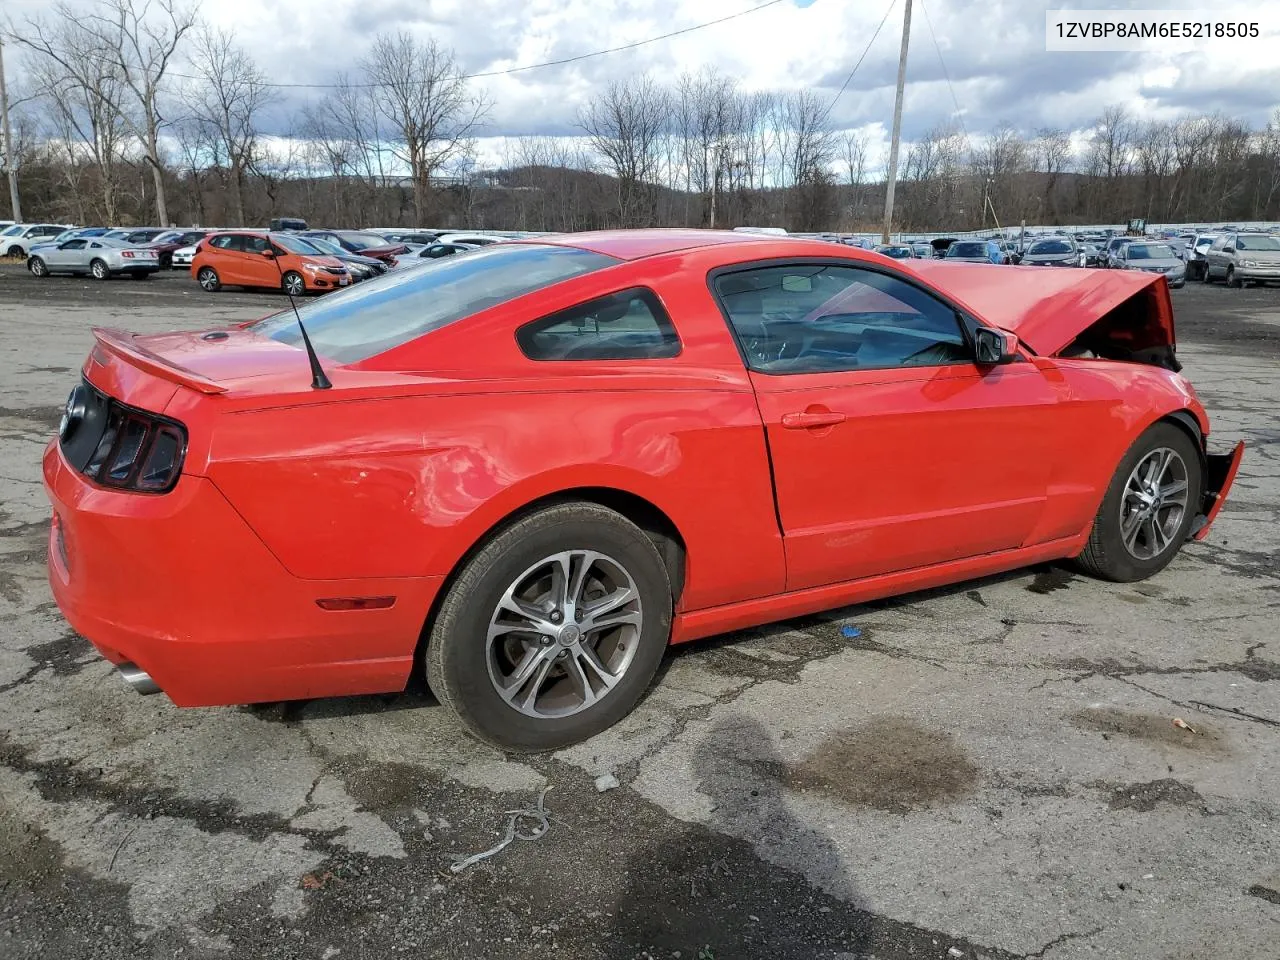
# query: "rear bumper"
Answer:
x=178 y=585
x=1220 y=473
x=152 y=266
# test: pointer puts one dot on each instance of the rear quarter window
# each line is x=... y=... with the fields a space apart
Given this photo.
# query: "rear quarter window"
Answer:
x=628 y=325
x=378 y=315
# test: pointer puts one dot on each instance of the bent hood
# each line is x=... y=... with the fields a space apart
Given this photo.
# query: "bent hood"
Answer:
x=1048 y=309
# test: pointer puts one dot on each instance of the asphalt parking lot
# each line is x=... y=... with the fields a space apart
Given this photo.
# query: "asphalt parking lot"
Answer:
x=988 y=770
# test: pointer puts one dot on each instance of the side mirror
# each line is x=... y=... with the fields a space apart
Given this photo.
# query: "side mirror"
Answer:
x=1228 y=249
x=269 y=254
x=992 y=347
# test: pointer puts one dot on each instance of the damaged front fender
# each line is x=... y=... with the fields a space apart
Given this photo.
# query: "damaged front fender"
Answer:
x=1219 y=474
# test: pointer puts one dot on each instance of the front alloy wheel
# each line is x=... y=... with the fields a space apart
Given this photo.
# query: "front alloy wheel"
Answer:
x=293 y=284
x=1155 y=501
x=38 y=268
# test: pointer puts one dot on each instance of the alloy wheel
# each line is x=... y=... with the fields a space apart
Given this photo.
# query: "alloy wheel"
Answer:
x=98 y=269
x=1154 y=503
x=563 y=634
x=208 y=280
x=294 y=285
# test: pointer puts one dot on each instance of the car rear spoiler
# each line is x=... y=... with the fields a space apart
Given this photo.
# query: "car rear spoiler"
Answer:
x=120 y=343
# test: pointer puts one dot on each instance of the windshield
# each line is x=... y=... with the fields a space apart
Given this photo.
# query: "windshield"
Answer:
x=896 y=252
x=13 y=231
x=363 y=240
x=295 y=244
x=1257 y=242
x=1050 y=246
x=967 y=250
x=1150 y=251
x=326 y=246
x=399 y=306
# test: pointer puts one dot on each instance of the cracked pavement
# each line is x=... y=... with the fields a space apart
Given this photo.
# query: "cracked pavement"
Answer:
x=990 y=768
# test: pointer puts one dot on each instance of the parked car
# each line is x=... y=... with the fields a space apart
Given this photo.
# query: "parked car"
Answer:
x=1152 y=257
x=360 y=267
x=169 y=242
x=975 y=251
x=924 y=251
x=366 y=244
x=474 y=239
x=898 y=251
x=274 y=261
x=183 y=256
x=1110 y=255
x=288 y=224
x=435 y=251
x=99 y=257
x=1196 y=253
x=422 y=238
x=1053 y=252
x=18 y=239
x=396 y=493
x=1093 y=253
x=1238 y=258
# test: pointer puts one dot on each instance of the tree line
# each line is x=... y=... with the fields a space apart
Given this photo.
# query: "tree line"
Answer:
x=133 y=114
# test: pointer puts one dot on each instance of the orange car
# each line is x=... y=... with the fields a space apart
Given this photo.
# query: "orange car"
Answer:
x=276 y=260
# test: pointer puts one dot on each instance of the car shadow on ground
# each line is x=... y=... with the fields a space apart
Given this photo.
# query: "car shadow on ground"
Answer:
x=685 y=892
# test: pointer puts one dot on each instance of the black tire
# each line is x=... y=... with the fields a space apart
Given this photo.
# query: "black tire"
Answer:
x=99 y=270
x=139 y=276
x=38 y=267
x=1232 y=279
x=208 y=280
x=1105 y=556
x=457 y=653
x=293 y=284
x=166 y=261
x=16 y=251
x=1204 y=277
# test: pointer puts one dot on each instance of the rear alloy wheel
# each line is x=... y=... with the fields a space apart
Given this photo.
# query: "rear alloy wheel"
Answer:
x=1232 y=279
x=99 y=270
x=551 y=632
x=1148 y=509
x=293 y=284
x=38 y=267
x=208 y=279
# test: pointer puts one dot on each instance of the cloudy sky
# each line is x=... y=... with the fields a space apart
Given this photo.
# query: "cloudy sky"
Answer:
x=993 y=51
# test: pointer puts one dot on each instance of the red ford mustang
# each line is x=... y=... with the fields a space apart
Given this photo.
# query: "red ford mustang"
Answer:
x=530 y=467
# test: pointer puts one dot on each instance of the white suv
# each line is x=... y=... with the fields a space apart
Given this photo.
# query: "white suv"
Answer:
x=17 y=240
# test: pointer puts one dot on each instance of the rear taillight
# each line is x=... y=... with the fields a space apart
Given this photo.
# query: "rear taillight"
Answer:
x=127 y=254
x=137 y=451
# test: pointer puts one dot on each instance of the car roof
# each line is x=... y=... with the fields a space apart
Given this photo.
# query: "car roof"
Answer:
x=638 y=244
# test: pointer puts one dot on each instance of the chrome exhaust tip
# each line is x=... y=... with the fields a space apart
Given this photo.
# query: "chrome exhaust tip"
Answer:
x=139 y=679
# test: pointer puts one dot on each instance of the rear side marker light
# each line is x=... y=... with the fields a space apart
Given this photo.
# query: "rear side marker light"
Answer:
x=355 y=603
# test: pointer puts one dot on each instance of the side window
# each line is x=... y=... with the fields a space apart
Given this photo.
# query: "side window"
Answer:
x=817 y=318
x=629 y=325
x=73 y=245
x=1219 y=243
x=254 y=244
x=225 y=242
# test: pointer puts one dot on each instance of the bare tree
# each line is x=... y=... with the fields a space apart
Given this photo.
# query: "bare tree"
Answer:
x=998 y=163
x=418 y=91
x=227 y=101
x=1051 y=155
x=624 y=125
x=855 y=163
x=142 y=43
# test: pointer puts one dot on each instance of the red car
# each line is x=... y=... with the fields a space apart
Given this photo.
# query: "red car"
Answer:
x=531 y=468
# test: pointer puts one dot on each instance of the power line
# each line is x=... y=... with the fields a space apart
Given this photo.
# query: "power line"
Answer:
x=511 y=70
x=945 y=74
x=844 y=86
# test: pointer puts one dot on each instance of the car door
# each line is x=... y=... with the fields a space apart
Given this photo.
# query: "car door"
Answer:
x=891 y=449
x=227 y=260
x=65 y=256
x=1215 y=259
x=259 y=270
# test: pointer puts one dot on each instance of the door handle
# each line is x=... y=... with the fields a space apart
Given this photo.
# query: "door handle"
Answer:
x=811 y=418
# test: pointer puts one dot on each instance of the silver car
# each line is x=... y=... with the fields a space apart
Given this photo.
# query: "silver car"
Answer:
x=1152 y=258
x=1238 y=257
x=100 y=257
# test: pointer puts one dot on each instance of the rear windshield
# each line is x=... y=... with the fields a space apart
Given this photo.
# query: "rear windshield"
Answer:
x=377 y=315
x=363 y=241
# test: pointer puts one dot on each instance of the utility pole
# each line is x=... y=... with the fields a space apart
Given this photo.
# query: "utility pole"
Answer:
x=8 y=142
x=897 y=128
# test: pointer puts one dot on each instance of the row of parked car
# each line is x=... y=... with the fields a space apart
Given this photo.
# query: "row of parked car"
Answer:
x=291 y=257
